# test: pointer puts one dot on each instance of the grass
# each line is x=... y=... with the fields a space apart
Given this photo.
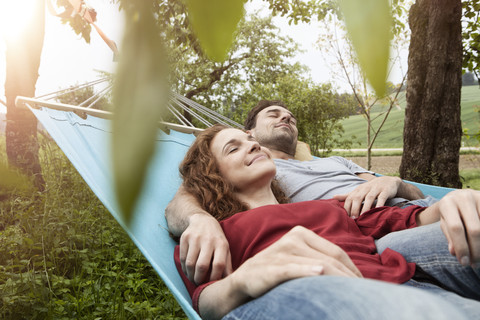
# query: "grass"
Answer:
x=63 y=256
x=392 y=133
x=470 y=178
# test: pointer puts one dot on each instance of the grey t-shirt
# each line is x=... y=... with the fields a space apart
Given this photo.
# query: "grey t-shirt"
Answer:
x=321 y=178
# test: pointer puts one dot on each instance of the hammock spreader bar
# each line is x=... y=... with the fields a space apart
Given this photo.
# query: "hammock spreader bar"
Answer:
x=24 y=102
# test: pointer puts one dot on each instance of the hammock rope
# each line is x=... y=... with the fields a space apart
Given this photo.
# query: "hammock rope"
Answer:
x=56 y=94
x=178 y=106
x=180 y=117
x=96 y=97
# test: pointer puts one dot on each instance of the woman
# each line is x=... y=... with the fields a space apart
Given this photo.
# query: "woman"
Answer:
x=273 y=242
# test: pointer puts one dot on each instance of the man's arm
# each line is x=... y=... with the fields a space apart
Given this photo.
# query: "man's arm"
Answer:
x=202 y=242
x=179 y=211
x=404 y=189
x=363 y=197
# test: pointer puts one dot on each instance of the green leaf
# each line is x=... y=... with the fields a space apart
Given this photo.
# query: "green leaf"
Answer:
x=369 y=27
x=140 y=95
x=214 y=23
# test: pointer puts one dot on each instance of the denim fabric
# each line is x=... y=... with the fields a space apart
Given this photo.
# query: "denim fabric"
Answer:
x=427 y=246
x=427 y=202
x=339 y=298
x=470 y=307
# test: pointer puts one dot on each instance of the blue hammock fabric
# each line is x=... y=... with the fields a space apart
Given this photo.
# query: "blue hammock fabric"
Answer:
x=85 y=142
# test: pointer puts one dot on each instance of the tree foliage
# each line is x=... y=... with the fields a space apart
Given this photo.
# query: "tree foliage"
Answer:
x=471 y=36
x=77 y=23
x=258 y=55
x=303 y=11
x=468 y=79
x=319 y=111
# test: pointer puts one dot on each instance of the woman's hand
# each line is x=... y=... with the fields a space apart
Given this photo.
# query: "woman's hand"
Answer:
x=299 y=253
x=459 y=214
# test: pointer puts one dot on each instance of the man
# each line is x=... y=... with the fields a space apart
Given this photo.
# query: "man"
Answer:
x=203 y=248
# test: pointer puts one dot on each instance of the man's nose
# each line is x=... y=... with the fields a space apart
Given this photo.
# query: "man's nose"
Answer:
x=286 y=117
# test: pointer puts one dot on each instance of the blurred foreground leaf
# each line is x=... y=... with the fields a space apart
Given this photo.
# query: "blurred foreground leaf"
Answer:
x=13 y=181
x=214 y=23
x=369 y=25
x=140 y=95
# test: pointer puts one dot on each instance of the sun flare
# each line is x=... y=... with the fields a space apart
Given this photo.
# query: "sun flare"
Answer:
x=15 y=16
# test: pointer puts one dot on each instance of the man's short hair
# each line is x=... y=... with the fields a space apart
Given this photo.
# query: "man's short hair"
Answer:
x=251 y=120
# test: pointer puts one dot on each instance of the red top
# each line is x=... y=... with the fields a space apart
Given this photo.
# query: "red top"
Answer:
x=251 y=231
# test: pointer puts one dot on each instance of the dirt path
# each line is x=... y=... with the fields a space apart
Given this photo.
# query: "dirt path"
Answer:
x=390 y=164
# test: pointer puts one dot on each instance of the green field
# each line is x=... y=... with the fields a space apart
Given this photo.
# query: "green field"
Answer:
x=391 y=135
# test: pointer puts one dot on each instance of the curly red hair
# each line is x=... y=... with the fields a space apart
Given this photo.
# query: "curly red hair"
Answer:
x=202 y=179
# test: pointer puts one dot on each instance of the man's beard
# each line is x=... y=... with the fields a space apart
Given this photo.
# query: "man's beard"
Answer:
x=279 y=141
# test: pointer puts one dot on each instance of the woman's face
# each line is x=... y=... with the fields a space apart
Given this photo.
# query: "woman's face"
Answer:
x=241 y=160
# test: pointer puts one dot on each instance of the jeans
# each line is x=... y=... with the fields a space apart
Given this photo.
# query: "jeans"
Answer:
x=341 y=298
x=427 y=246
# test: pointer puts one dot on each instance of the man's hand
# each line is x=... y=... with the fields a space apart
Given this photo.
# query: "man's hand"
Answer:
x=459 y=214
x=203 y=245
x=363 y=197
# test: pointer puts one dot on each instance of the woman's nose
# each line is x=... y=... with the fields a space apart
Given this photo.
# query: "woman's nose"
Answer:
x=255 y=146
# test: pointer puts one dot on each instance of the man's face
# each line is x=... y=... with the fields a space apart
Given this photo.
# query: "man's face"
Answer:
x=276 y=129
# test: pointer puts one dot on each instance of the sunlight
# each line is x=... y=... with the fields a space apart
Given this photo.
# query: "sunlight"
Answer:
x=14 y=16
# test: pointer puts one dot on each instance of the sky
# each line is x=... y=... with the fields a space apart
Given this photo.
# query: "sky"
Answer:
x=68 y=60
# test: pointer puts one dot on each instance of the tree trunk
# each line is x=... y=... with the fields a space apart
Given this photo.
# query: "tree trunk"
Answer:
x=432 y=132
x=23 y=53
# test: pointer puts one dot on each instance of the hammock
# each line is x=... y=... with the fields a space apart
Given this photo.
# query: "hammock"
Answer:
x=85 y=141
